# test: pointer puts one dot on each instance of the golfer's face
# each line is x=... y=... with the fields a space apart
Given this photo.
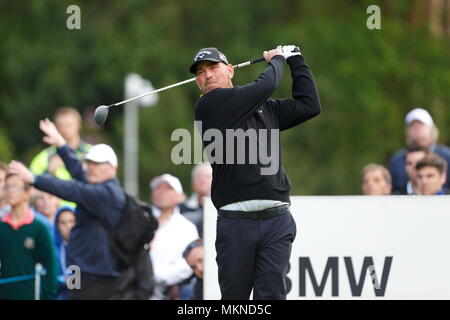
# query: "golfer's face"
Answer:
x=212 y=75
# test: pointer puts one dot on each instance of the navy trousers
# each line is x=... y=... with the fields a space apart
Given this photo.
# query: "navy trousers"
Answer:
x=254 y=254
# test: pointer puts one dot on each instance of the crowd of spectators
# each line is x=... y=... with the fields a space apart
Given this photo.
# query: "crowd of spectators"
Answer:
x=421 y=168
x=59 y=211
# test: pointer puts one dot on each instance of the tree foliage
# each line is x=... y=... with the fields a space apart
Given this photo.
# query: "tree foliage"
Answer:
x=367 y=79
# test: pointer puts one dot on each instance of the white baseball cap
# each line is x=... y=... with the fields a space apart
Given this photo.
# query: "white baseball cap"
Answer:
x=102 y=153
x=173 y=181
x=419 y=114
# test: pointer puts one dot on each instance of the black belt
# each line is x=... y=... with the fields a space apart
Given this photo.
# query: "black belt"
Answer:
x=254 y=215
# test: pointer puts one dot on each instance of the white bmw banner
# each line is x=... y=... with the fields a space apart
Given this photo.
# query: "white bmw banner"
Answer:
x=360 y=247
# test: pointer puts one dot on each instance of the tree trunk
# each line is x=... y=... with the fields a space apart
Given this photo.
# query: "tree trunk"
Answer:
x=435 y=17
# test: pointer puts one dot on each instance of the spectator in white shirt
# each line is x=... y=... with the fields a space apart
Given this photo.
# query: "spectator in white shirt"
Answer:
x=174 y=233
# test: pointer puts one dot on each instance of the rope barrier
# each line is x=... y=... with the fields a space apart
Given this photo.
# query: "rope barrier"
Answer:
x=17 y=279
x=38 y=272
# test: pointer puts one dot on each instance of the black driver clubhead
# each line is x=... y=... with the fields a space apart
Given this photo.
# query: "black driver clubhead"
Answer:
x=100 y=115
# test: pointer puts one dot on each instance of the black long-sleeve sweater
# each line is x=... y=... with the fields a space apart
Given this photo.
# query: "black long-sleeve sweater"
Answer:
x=249 y=107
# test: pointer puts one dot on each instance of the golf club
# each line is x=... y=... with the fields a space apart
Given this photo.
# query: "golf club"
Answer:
x=101 y=113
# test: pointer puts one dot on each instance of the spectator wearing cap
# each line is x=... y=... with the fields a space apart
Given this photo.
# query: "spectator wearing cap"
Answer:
x=420 y=131
x=376 y=180
x=431 y=175
x=174 y=233
x=100 y=201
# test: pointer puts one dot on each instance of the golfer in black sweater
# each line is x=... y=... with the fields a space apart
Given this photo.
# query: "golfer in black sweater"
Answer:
x=240 y=128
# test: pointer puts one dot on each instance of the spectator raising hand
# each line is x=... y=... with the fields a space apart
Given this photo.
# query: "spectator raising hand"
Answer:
x=99 y=199
x=67 y=123
x=52 y=135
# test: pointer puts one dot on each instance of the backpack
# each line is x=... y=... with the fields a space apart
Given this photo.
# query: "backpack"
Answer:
x=136 y=229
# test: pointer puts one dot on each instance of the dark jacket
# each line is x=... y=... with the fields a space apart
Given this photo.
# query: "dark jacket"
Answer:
x=98 y=205
x=193 y=211
x=137 y=281
x=397 y=166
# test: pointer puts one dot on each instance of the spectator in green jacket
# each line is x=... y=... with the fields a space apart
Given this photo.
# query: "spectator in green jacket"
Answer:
x=24 y=242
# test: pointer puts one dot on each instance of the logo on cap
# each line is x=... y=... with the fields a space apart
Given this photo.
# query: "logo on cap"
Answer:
x=209 y=54
x=201 y=54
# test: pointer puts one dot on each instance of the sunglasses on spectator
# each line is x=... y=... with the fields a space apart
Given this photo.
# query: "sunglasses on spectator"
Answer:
x=14 y=187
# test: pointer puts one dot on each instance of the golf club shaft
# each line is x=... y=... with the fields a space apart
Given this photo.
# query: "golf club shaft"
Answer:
x=240 y=65
x=244 y=64
x=152 y=92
